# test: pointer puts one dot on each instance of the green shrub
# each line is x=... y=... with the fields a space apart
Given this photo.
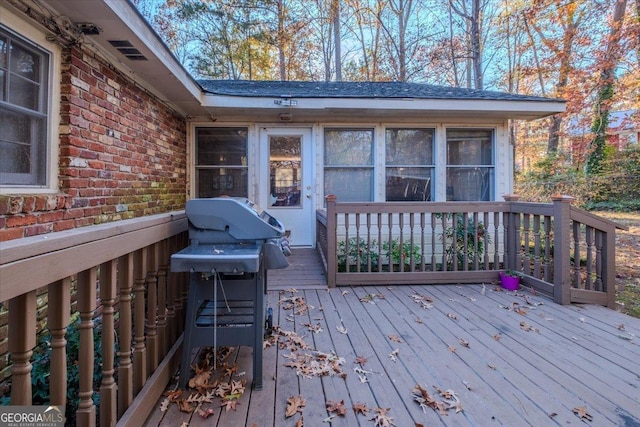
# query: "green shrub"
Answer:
x=454 y=237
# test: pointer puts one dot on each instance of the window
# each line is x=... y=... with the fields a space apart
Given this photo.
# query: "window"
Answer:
x=470 y=170
x=409 y=164
x=24 y=75
x=348 y=164
x=221 y=162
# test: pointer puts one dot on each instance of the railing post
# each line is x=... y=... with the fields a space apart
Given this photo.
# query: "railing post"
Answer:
x=561 y=249
x=125 y=367
x=108 y=388
x=59 y=317
x=152 y=308
x=139 y=348
x=510 y=247
x=331 y=241
x=22 y=340
x=86 y=414
x=609 y=266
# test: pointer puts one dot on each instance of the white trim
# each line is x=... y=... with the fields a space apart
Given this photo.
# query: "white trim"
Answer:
x=27 y=31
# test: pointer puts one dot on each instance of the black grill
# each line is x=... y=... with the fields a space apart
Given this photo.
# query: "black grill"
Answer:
x=232 y=245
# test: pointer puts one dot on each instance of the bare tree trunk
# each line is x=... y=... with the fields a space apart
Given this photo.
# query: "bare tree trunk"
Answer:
x=335 y=11
x=476 y=48
x=281 y=41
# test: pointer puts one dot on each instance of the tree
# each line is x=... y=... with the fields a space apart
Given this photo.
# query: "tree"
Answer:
x=605 y=89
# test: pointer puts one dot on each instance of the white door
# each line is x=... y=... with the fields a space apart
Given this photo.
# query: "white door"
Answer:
x=286 y=181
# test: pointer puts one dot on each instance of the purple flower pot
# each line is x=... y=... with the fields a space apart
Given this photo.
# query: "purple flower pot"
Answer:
x=511 y=283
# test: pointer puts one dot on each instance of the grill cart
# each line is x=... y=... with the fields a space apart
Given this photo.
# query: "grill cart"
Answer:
x=232 y=245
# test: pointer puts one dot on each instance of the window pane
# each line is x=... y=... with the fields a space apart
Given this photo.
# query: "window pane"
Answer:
x=408 y=184
x=24 y=93
x=469 y=147
x=285 y=170
x=348 y=147
x=221 y=146
x=409 y=146
x=222 y=182
x=2 y=83
x=469 y=184
x=3 y=52
x=24 y=62
x=349 y=184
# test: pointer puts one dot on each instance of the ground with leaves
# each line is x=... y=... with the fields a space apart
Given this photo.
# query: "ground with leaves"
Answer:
x=627 y=261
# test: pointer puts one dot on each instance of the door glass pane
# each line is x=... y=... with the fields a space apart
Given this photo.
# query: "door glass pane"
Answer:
x=285 y=170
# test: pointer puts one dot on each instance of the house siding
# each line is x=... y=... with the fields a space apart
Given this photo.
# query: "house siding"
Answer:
x=122 y=154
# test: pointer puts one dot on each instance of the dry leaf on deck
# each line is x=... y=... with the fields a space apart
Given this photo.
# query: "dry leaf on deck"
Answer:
x=452 y=349
x=463 y=342
x=294 y=404
x=229 y=404
x=341 y=329
x=497 y=337
x=418 y=320
x=452 y=316
x=526 y=327
x=581 y=412
x=361 y=360
x=394 y=354
x=185 y=406
x=382 y=418
x=360 y=408
x=300 y=422
x=337 y=407
x=205 y=413
x=395 y=338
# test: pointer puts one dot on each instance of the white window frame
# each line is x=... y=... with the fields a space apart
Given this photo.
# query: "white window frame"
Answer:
x=29 y=35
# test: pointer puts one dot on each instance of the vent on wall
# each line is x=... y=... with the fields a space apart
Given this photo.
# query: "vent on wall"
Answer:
x=128 y=50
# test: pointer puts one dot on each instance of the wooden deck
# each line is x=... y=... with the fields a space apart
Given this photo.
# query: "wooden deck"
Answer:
x=471 y=339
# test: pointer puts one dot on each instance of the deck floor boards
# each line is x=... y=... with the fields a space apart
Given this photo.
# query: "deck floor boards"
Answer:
x=580 y=355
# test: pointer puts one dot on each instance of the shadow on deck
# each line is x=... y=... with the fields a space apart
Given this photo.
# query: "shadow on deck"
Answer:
x=510 y=358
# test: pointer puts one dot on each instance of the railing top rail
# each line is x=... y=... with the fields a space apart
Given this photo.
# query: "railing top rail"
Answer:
x=64 y=254
x=532 y=208
x=15 y=250
x=595 y=221
x=427 y=207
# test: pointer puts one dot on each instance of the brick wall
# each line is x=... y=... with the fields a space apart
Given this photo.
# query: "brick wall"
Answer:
x=122 y=154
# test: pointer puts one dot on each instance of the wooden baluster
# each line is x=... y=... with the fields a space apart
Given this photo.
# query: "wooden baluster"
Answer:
x=598 y=283
x=108 y=388
x=517 y=242
x=496 y=241
x=172 y=295
x=526 y=248
x=476 y=227
x=59 y=318
x=125 y=367
x=22 y=340
x=577 y=281
x=390 y=241
x=379 y=216
x=412 y=260
x=485 y=241
x=139 y=349
x=454 y=225
x=152 y=309
x=536 y=249
x=590 y=249
x=433 y=224
x=86 y=414
x=163 y=268
x=445 y=266
x=358 y=249
x=347 y=246
x=401 y=241
x=369 y=255
x=548 y=275
x=423 y=255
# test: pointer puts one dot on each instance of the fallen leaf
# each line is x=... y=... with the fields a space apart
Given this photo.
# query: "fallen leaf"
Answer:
x=381 y=418
x=360 y=408
x=394 y=354
x=300 y=422
x=205 y=413
x=526 y=327
x=229 y=403
x=452 y=316
x=341 y=329
x=497 y=337
x=185 y=406
x=418 y=320
x=337 y=407
x=345 y=292
x=620 y=326
x=165 y=404
x=463 y=342
x=452 y=349
x=395 y=338
x=294 y=404
x=361 y=360
x=581 y=412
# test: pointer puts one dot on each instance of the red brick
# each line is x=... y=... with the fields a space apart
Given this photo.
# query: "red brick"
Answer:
x=21 y=220
x=64 y=225
x=50 y=216
x=35 y=230
x=11 y=233
x=5 y=204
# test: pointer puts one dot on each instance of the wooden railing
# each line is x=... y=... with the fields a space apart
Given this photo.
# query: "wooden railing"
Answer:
x=560 y=250
x=120 y=272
